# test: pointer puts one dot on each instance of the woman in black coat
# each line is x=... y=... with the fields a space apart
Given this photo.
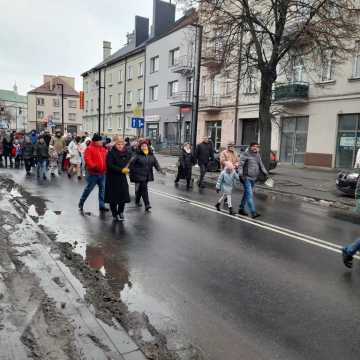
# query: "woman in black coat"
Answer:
x=141 y=172
x=186 y=162
x=117 y=188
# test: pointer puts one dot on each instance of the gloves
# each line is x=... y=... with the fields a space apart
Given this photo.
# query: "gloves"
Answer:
x=125 y=170
x=218 y=190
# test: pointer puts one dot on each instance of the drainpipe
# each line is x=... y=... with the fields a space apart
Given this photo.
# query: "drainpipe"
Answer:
x=125 y=104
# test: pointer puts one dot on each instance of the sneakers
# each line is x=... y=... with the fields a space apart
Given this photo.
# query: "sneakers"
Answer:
x=242 y=212
x=231 y=212
x=347 y=259
x=217 y=205
x=255 y=215
x=148 y=208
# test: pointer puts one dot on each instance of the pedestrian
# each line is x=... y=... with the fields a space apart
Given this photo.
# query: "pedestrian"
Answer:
x=7 y=149
x=74 y=149
x=141 y=172
x=18 y=154
x=117 y=187
x=1 y=148
x=58 y=142
x=204 y=153
x=229 y=154
x=41 y=153
x=28 y=155
x=186 y=162
x=250 y=168
x=53 y=160
x=33 y=137
x=95 y=160
x=225 y=185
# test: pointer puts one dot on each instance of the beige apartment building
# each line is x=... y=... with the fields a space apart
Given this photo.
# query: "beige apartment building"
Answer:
x=54 y=102
x=117 y=84
x=317 y=120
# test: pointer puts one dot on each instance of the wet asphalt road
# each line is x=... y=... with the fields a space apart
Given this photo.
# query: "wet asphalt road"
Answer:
x=232 y=289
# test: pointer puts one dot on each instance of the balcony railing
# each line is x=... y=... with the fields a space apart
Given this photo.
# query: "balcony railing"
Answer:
x=294 y=92
x=182 y=99
x=183 y=65
x=211 y=103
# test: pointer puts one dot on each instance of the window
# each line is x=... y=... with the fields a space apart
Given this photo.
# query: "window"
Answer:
x=215 y=86
x=298 y=70
x=356 y=66
x=40 y=115
x=250 y=82
x=110 y=79
x=109 y=122
x=174 y=57
x=56 y=102
x=119 y=121
x=86 y=86
x=227 y=87
x=154 y=64
x=72 y=117
x=110 y=101
x=130 y=72
x=120 y=100
x=129 y=98
x=327 y=66
x=72 y=103
x=128 y=122
x=87 y=105
x=140 y=96
x=172 y=88
x=141 y=69
x=56 y=116
x=120 y=76
x=203 y=85
x=154 y=93
x=40 y=101
x=92 y=105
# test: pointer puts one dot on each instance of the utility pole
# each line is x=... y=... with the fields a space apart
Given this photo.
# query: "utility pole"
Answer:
x=99 y=103
x=195 y=113
x=36 y=114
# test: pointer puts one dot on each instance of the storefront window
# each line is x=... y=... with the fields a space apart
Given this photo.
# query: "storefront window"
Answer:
x=348 y=140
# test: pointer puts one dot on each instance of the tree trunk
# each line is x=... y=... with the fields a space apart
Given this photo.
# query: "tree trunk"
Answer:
x=267 y=80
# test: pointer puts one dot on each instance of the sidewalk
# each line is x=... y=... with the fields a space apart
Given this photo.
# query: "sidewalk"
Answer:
x=306 y=184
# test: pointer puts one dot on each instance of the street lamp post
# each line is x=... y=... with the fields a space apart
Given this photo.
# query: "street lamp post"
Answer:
x=62 y=108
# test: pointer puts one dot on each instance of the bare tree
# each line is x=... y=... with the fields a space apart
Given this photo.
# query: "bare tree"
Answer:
x=266 y=34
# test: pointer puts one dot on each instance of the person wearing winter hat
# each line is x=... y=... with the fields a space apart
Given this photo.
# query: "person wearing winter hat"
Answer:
x=95 y=160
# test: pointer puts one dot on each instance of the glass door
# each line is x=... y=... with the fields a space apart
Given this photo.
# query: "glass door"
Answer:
x=214 y=133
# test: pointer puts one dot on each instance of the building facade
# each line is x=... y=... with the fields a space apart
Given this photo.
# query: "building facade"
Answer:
x=170 y=66
x=13 y=110
x=55 y=105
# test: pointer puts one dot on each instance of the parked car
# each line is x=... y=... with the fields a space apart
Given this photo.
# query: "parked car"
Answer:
x=346 y=181
x=215 y=165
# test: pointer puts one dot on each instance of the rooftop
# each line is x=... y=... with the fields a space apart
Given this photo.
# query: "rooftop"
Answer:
x=51 y=88
x=12 y=96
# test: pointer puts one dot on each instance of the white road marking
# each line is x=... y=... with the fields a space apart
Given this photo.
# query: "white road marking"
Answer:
x=260 y=224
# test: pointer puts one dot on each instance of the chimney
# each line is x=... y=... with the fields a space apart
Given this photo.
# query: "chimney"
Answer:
x=106 y=49
x=141 y=30
x=163 y=17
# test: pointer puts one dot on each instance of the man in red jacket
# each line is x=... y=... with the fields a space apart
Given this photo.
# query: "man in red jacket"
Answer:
x=95 y=161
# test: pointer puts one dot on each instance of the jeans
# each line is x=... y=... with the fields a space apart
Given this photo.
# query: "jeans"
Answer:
x=248 y=197
x=41 y=168
x=203 y=168
x=28 y=164
x=92 y=181
x=353 y=247
x=141 y=191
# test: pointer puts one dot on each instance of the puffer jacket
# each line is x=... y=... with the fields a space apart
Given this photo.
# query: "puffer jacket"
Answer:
x=28 y=151
x=41 y=151
x=95 y=159
x=251 y=165
x=141 y=167
x=227 y=181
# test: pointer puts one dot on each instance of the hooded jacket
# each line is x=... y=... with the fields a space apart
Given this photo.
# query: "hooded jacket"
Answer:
x=95 y=159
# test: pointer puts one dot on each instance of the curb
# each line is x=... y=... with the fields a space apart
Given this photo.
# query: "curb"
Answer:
x=286 y=194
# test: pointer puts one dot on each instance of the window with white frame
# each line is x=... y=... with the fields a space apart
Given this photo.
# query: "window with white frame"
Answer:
x=298 y=70
x=120 y=100
x=154 y=92
x=56 y=116
x=86 y=85
x=92 y=104
x=327 y=72
x=128 y=122
x=40 y=101
x=40 y=115
x=154 y=64
x=120 y=75
x=56 y=102
x=119 y=121
x=72 y=117
x=141 y=69
x=87 y=105
x=129 y=98
x=250 y=82
x=109 y=122
x=140 y=96
x=227 y=87
x=356 y=65
x=110 y=79
x=172 y=88
x=110 y=101
x=130 y=72
x=174 y=57
x=215 y=86
x=72 y=104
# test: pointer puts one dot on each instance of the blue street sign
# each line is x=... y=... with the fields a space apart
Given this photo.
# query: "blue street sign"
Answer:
x=137 y=123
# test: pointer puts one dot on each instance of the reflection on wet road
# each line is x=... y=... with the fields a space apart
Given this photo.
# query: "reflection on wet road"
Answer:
x=233 y=290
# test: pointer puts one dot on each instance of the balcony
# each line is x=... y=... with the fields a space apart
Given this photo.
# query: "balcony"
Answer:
x=291 y=93
x=183 y=65
x=181 y=99
x=210 y=103
x=212 y=59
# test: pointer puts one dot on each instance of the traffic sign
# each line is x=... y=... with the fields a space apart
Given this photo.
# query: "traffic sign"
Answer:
x=137 y=122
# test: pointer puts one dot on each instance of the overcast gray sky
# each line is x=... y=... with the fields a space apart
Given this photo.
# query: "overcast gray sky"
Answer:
x=60 y=37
